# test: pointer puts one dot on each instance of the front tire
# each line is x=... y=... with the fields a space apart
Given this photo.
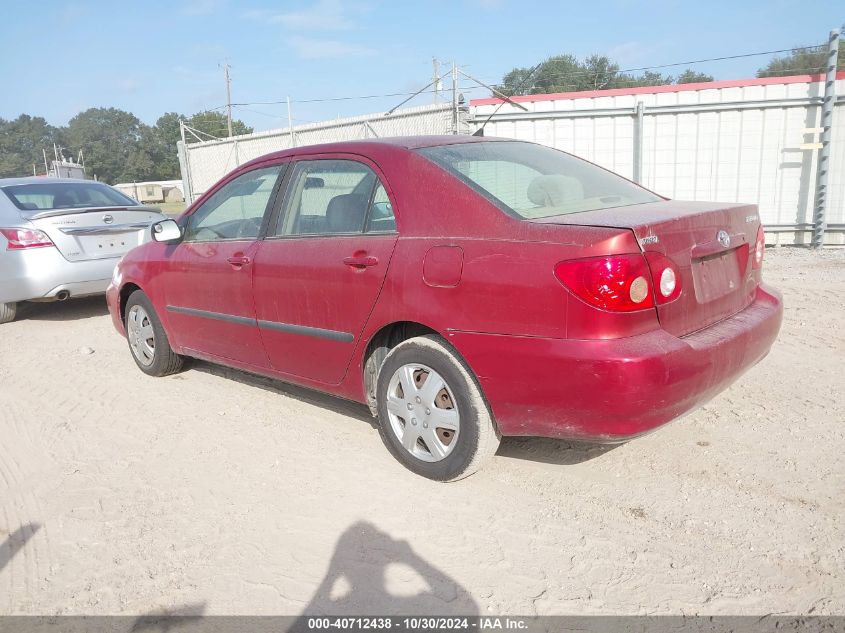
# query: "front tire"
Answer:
x=8 y=311
x=148 y=342
x=432 y=415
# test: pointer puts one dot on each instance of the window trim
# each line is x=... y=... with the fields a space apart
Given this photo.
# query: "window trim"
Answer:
x=269 y=208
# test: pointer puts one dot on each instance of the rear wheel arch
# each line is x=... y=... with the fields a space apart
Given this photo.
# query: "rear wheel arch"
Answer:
x=380 y=343
x=388 y=337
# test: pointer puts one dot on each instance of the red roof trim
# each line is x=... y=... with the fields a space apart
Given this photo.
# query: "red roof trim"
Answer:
x=620 y=92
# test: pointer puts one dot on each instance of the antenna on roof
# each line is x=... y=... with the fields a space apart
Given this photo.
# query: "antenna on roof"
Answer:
x=480 y=131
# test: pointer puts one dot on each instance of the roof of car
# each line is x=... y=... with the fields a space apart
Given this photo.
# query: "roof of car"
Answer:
x=362 y=145
x=29 y=180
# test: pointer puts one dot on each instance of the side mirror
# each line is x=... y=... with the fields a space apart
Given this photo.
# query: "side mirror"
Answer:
x=166 y=231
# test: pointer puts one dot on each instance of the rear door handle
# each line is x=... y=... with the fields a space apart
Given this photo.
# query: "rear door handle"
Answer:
x=360 y=261
x=238 y=260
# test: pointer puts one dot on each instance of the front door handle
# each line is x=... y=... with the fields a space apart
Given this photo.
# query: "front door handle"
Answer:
x=238 y=260
x=360 y=261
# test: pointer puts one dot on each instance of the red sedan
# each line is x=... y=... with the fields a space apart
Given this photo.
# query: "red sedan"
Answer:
x=464 y=288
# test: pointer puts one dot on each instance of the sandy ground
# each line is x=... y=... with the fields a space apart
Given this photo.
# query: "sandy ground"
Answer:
x=217 y=492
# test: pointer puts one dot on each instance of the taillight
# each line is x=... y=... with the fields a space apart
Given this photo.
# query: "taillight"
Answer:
x=759 y=248
x=25 y=238
x=619 y=283
x=665 y=277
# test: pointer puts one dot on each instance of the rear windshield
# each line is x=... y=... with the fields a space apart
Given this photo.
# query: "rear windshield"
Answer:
x=532 y=181
x=45 y=196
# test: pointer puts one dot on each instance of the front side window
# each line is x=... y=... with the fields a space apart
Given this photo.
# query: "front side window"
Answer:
x=531 y=181
x=327 y=197
x=236 y=210
x=46 y=196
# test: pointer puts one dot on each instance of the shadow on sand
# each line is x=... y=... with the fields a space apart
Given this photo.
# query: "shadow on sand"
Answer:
x=70 y=310
x=15 y=542
x=369 y=575
x=550 y=451
x=302 y=394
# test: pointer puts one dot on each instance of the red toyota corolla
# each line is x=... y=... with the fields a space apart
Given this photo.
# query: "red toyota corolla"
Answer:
x=464 y=288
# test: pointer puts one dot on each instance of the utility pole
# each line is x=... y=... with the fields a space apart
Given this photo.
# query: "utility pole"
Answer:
x=823 y=166
x=435 y=63
x=290 y=125
x=455 y=117
x=226 y=68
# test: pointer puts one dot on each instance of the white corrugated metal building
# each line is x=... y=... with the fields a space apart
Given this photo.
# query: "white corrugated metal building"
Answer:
x=729 y=141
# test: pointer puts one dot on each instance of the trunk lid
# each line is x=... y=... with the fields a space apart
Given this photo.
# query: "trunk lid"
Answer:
x=95 y=232
x=711 y=244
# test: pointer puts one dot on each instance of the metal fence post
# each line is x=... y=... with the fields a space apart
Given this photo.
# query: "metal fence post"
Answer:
x=638 y=143
x=823 y=165
x=184 y=165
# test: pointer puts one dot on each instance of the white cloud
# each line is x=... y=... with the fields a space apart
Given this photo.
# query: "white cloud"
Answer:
x=316 y=48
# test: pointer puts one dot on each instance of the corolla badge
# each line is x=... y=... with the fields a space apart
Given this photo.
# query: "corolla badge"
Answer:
x=723 y=238
x=108 y=219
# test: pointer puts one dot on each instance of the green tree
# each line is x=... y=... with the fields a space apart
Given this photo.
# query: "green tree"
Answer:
x=565 y=73
x=160 y=144
x=21 y=143
x=690 y=76
x=213 y=123
x=801 y=61
x=111 y=141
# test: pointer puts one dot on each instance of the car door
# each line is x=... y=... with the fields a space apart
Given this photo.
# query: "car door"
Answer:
x=318 y=273
x=208 y=276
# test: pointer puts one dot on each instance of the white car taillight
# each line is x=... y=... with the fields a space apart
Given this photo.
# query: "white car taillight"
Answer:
x=668 y=280
x=19 y=239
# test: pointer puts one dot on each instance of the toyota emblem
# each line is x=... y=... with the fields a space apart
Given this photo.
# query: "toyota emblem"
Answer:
x=724 y=239
x=108 y=219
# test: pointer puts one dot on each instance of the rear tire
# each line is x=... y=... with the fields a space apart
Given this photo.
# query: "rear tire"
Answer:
x=8 y=311
x=148 y=342
x=432 y=415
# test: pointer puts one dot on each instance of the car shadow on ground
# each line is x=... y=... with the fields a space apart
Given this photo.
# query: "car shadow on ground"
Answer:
x=302 y=394
x=552 y=451
x=537 y=449
x=70 y=310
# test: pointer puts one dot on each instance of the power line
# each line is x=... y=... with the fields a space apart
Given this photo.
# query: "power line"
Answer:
x=553 y=76
x=688 y=63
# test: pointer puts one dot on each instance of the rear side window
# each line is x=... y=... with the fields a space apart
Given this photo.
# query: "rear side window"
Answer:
x=532 y=181
x=381 y=218
x=46 y=196
x=327 y=197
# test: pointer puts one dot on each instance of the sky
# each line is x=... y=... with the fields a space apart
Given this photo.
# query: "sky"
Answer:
x=151 y=57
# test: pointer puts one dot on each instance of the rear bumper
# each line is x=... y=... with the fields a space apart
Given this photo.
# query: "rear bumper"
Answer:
x=41 y=273
x=613 y=390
